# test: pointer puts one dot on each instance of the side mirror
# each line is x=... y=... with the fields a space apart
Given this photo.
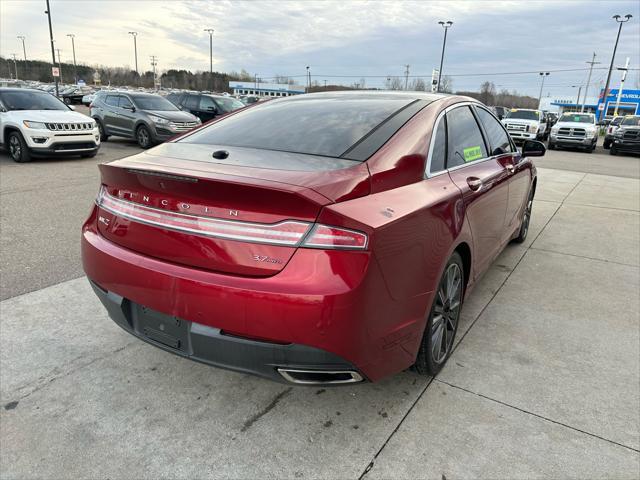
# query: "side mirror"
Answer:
x=533 y=148
x=212 y=109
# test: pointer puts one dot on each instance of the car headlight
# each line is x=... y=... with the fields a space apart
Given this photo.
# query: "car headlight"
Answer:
x=36 y=125
x=198 y=121
x=554 y=131
x=591 y=132
x=159 y=120
x=533 y=128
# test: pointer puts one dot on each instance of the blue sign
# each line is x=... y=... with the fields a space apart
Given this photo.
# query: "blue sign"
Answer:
x=629 y=103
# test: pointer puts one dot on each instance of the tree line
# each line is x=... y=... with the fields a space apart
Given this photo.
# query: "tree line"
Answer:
x=219 y=81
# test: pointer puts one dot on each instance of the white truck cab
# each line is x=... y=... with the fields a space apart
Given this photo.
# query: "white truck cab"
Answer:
x=525 y=124
x=33 y=122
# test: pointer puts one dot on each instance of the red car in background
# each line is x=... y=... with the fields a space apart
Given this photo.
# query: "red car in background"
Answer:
x=320 y=239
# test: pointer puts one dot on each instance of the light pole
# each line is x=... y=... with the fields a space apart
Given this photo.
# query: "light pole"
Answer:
x=446 y=25
x=210 y=32
x=135 y=52
x=586 y=88
x=543 y=75
x=53 y=53
x=75 y=66
x=24 y=50
x=308 y=79
x=154 y=62
x=618 y=19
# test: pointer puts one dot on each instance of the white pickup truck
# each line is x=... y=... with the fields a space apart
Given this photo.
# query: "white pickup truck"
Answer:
x=524 y=124
x=575 y=130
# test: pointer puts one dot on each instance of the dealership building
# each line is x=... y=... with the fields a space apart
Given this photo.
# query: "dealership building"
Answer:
x=629 y=102
x=262 y=89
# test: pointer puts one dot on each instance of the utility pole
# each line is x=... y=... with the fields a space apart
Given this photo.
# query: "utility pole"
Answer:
x=308 y=79
x=24 y=50
x=75 y=66
x=446 y=25
x=624 y=77
x=154 y=62
x=53 y=54
x=15 y=64
x=579 y=87
x=406 y=77
x=586 y=88
x=617 y=18
x=59 y=63
x=325 y=84
x=543 y=75
x=135 y=52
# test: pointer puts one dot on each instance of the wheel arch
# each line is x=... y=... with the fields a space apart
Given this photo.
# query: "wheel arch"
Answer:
x=464 y=250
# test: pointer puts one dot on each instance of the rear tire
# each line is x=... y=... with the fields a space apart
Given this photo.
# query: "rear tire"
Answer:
x=103 y=133
x=18 y=149
x=613 y=150
x=443 y=318
x=607 y=144
x=67 y=100
x=526 y=220
x=143 y=137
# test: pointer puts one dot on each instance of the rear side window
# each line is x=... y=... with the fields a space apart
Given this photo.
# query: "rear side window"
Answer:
x=327 y=126
x=464 y=138
x=112 y=100
x=498 y=138
x=207 y=104
x=439 y=152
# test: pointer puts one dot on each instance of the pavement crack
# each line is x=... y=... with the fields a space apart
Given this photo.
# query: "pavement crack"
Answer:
x=604 y=260
x=547 y=419
x=254 y=418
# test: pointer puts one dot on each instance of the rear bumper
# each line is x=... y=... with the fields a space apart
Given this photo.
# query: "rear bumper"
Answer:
x=324 y=309
x=212 y=346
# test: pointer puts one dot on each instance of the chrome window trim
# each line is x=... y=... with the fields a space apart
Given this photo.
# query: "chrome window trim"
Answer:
x=511 y=145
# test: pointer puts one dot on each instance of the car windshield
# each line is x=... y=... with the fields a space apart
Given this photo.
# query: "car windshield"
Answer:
x=577 y=118
x=326 y=126
x=524 y=114
x=154 y=103
x=31 y=100
x=631 y=121
x=229 y=104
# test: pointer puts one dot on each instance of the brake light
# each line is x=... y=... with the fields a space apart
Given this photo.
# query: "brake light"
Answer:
x=324 y=236
x=292 y=233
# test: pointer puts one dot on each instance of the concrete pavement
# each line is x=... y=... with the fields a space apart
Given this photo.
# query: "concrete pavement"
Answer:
x=544 y=381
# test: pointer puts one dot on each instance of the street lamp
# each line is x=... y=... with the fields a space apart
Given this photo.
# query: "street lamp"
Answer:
x=446 y=25
x=543 y=75
x=618 y=19
x=75 y=66
x=135 y=51
x=210 y=32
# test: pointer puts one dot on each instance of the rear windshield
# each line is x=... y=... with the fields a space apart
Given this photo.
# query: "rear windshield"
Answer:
x=316 y=126
x=524 y=114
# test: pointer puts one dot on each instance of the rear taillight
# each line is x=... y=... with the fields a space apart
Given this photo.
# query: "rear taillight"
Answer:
x=324 y=236
x=292 y=233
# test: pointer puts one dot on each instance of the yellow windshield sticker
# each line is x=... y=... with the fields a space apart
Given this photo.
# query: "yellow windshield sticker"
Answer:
x=472 y=153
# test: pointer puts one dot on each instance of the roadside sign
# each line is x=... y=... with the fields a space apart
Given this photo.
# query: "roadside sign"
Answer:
x=55 y=71
x=601 y=107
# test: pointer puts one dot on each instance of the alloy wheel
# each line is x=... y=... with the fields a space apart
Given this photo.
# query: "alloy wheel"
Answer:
x=527 y=217
x=15 y=149
x=143 y=137
x=446 y=313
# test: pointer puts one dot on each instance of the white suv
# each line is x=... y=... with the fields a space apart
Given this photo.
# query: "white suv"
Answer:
x=33 y=122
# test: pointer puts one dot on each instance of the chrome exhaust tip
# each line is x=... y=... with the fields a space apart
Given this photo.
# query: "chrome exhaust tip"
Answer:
x=319 y=377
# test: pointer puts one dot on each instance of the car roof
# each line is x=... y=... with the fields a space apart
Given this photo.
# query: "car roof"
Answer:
x=368 y=94
x=14 y=89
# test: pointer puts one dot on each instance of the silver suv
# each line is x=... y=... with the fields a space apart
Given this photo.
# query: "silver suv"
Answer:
x=147 y=118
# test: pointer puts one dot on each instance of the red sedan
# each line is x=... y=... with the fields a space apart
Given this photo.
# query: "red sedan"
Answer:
x=320 y=239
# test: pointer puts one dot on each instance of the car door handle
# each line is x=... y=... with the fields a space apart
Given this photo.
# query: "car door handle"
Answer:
x=510 y=167
x=474 y=183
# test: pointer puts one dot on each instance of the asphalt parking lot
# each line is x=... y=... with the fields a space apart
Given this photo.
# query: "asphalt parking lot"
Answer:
x=544 y=381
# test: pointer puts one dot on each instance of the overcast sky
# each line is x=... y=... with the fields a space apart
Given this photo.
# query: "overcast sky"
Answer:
x=341 y=41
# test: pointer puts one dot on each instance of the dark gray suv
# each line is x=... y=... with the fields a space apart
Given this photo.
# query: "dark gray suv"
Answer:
x=147 y=118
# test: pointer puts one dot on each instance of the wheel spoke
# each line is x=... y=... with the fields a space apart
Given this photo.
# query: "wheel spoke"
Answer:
x=437 y=343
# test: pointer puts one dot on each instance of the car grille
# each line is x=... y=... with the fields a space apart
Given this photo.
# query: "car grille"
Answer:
x=182 y=126
x=516 y=127
x=632 y=135
x=70 y=126
x=572 y=132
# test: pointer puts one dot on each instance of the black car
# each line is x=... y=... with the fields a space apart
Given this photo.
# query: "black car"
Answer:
x=203 y=105
x=627 y=137
x=145 y=117
x=74 y=94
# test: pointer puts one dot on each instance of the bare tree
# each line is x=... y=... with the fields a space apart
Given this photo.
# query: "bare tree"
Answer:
x=446 y=84
x=394 y=83
x=418 y=85
x=488 y=93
